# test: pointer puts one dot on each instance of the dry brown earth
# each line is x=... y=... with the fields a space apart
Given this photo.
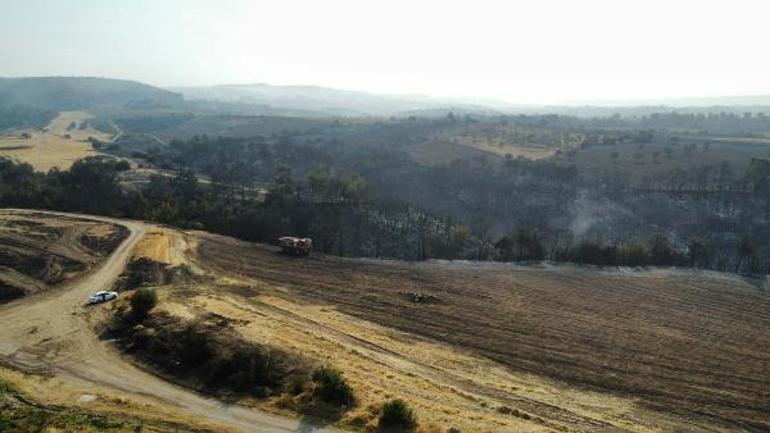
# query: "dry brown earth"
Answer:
x=686 y=346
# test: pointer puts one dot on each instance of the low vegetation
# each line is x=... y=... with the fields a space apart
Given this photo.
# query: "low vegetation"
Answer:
x=143 y=272
x=19 y=414
x=206 y=353
x=142 y=302
x=397 y=416
x=332 y=387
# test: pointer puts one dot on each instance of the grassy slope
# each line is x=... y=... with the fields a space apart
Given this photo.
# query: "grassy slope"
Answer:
x=56 y=146
x=686 y=345
x=19 y=414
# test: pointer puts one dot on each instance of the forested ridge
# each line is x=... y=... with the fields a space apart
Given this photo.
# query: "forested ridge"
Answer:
x=22 y=116
x=357 y=191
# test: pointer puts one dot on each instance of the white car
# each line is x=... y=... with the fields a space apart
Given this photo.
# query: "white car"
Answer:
x=103 y=296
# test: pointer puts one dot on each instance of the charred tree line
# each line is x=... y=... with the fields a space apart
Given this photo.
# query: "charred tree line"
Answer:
x=359 y=192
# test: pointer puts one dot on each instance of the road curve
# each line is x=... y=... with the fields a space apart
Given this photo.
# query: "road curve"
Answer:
x=49 y=333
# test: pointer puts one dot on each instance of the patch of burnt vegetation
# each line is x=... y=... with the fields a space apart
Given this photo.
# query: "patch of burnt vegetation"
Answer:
x=34 y=229
x=9 y=292
x=421 y=298
x=36 y=256
x=207 y=354
x=105 y=244
x=54 y=269
x=144 y=272
x=48 y=268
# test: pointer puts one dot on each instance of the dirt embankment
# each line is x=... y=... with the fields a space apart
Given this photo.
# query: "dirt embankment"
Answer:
x=201 y=350
x=21 y=414
x=39 y=252
x=50 y=338
x=686 y=348
x=206 y=354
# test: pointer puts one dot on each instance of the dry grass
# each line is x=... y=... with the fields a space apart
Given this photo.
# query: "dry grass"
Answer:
x=435 y=153
x=166 y=246
x=445 y=386
x=80 y=402
x=653 y=158
x=596 y=351
x=502 y=349
x=50 y=148
x=444 y=152
x=155 y=246
x=500 y=148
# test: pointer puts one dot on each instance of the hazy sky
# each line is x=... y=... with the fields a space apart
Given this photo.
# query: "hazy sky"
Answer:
x=522 y=51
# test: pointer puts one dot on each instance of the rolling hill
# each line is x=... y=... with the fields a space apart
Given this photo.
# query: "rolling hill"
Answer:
x=325 y=100
x=78 y=93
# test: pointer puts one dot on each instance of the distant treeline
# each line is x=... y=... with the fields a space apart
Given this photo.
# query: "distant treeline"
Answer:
x=336 y=217
x=21 y=116
x=356 y=188
x=657 y=251
x=343 y=216
x=719 y=123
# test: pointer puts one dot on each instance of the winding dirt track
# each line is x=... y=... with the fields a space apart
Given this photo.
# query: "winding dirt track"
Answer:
x=49 y=333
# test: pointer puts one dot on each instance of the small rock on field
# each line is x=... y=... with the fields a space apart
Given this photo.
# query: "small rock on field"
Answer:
x=86 y=398
x=504 y=410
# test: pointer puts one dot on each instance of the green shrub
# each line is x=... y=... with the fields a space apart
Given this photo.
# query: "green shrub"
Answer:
x=332 y=387
x=6 y=388
x=397 y=416
x=142 y=302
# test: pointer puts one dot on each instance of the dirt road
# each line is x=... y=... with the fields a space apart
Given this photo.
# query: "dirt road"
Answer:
x=49 y=333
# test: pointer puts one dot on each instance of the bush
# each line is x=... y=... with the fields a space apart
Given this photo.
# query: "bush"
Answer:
x=6 y=388
x=397 y=416
x=332 y=387
x=297 y=385
x=142 y=302
x=195 y=347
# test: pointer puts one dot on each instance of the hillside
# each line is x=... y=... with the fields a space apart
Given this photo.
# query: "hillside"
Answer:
x=745 y=101
x=577 y=348
x=62 y=142
x=77 y=93
x=39 y=252
x=470 y=347
x=324 y=100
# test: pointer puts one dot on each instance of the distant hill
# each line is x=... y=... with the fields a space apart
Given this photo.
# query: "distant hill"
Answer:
x=83 y=93
x=720 y=101
x=322 y=100
x=74 y=93
x=313 y=101
x=688 y=102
